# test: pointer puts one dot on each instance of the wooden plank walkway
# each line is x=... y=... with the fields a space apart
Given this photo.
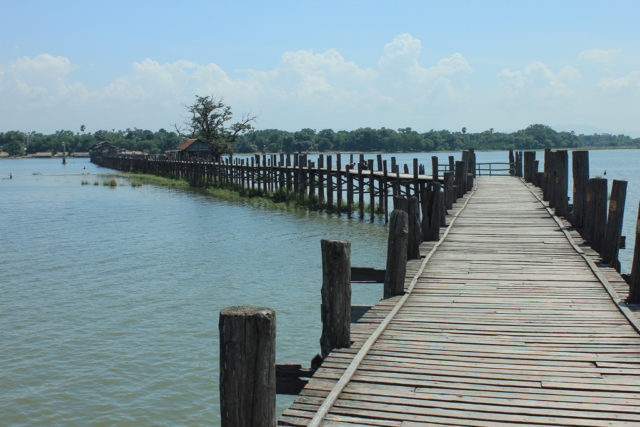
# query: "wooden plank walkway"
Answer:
x=506 y=324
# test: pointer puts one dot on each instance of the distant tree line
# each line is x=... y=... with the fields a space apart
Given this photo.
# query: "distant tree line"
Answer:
x=16 y=143
x=406 y=140
x=360 y=140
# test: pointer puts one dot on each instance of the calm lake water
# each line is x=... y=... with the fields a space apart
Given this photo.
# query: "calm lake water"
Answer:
x=109 y=297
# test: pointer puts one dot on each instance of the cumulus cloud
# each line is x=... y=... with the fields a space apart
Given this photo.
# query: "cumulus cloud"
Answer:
x=303 y=87
x=601 y=56
x=630 y=81
x=39 y=81
x=538 y=82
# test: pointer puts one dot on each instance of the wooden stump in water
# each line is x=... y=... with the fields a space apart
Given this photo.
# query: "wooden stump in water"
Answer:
x=247 y=366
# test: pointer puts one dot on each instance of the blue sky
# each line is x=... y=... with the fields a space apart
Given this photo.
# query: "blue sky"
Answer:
x=323 y=64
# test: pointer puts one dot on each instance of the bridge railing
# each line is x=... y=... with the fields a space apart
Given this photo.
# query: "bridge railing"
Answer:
x=493 y=168
x=487 y=168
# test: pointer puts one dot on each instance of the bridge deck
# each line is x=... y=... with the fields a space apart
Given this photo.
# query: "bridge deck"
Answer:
x=506 y=324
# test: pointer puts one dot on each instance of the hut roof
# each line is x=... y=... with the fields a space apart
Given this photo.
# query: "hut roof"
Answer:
x=186 y=144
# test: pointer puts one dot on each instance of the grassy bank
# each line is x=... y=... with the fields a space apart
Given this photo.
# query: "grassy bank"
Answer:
x=280 y=199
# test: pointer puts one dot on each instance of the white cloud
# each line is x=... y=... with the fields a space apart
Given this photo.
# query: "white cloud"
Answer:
x=538 y=82
x=39 y=81
x=306 y=88
x=630 y=81
x=601 y=56
x=317 y=89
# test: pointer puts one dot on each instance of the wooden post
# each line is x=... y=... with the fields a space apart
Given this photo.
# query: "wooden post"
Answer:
x=339 y=182
x=415 y=231
x=611 y=243
x=329 y=183
x=396 y=254
x=312 y=183
x=472 y=166
x=448 y=190
x=360 y=190
x=349 y=191
x=634 y=287
x=580 y=169
x=512 y=164
x=537 y=176
x=545 y=181
x=425 y=205
x=336 y=295
x=460 y=180
x=401 y=203
x=247 y=366
x=265 y=175
x=434 y=167
x=320 y=179
x=433 y=210
x=383 y=187
x=551 y=179
x=596 y=218
x=372 y=193
x=416 y=189
x=468 y=179
x=396 y=184
x=562 y=183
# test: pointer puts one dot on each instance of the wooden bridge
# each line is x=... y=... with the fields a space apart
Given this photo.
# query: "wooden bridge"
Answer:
x=506 y=320
x=504 y=314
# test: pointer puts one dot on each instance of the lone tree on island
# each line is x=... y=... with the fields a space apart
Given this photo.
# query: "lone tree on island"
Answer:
x=209 y=123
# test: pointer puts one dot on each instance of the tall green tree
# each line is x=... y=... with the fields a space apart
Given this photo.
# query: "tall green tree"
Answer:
x=210 y=121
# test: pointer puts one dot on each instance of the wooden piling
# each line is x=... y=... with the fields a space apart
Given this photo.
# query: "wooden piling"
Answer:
x=561 y=164
x=431 y=212
x=349 y=191
x=611 y=243
x=460 y=179
x=434 y=167
x=596 y=218
x=448 y=190
x=372 y=188
x=396 y=254
x=312 y=183
x=360 y=190
x=634 y=286
x=247 y=366
x=339 y=182
x=320 y=172
x=415 y=230
x=512 y=164
x=336 y=295
x=384 y=185
x=329 y=183
x=545 y=181
x=580 y=169
x=416 y=168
